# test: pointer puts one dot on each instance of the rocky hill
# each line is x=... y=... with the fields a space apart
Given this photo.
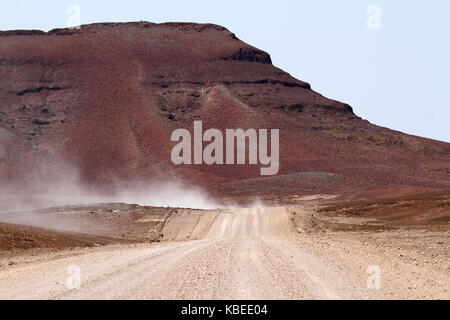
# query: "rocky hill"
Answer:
x=102 y=101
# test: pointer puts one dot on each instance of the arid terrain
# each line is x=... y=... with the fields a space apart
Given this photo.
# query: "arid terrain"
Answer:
x=310 y=251
x=95 y=108
x=356 y=211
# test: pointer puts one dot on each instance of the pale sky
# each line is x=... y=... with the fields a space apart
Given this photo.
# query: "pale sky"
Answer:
x=397 y=76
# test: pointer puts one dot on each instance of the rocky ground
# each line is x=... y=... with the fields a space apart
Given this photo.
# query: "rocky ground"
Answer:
x=304 y=251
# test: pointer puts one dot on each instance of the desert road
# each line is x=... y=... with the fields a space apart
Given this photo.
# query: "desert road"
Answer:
x=228 y=254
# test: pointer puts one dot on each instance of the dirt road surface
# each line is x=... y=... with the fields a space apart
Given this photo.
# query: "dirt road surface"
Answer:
x=230 y=254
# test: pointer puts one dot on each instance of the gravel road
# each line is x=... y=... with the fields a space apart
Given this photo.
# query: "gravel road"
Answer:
x=224 y=254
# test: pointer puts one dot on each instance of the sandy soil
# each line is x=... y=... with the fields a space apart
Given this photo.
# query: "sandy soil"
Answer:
x=117 y=220
x=267 y=253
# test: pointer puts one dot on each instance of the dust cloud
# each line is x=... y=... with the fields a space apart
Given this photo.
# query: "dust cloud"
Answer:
x=58 y=184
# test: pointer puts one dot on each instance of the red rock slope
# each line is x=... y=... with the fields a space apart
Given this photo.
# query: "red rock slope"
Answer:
x=104 y=100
